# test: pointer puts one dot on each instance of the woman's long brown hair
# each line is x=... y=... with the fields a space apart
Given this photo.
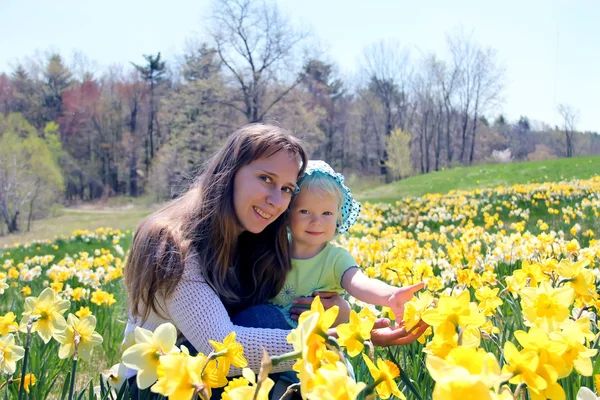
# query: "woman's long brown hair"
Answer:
x=243 y=269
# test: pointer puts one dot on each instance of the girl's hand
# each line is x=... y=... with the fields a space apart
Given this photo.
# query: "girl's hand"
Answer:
x=402 y=296
x=328 y=299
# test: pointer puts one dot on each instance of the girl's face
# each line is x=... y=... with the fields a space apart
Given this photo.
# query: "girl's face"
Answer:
x=313 y=217
x=262 y=190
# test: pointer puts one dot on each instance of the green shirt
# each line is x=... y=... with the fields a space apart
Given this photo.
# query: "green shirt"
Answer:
x=321 y=272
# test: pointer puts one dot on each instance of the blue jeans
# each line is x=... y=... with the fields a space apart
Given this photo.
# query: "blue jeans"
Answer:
x=265 y=316
x=261 y=316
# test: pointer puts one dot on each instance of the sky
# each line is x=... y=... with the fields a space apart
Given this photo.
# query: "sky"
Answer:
x=550 y=49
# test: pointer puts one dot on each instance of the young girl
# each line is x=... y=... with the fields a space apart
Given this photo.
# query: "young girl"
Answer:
x=323 y=209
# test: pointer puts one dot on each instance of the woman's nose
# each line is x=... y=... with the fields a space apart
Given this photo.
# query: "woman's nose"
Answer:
x=276 y=199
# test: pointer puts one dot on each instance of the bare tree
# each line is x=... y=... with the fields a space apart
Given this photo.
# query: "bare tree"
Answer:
x=448 y=78
x=387 y=71
x=479 y=86
x=428 y=100
x=570 y=117
x=256 y=44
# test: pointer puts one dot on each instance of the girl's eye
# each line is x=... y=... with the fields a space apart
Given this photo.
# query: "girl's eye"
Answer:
x=327 y=213
x=303 y=211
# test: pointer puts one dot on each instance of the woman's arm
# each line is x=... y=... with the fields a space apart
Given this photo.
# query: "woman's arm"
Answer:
x=379 y=293
x=199 y=314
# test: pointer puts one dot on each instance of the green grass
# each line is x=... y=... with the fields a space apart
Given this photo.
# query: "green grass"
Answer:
x=126 y=213
x=73 y=219
x=481 y=176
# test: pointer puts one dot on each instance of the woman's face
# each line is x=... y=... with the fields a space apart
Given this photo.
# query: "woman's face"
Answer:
x=262 y=190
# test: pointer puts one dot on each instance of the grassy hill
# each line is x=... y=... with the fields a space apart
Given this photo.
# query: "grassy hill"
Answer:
x=466 y=178
x=121 y=216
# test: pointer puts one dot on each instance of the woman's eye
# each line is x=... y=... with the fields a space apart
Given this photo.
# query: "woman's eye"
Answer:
x=287 y=190
x=266 y=178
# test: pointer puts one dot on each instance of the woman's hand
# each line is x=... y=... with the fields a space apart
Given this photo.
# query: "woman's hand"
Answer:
x=384 y=335
x=328 y=299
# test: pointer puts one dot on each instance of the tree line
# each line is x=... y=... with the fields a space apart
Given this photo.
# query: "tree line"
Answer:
x=148 y=127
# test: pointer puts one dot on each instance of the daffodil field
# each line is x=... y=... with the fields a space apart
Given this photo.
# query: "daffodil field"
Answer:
x=511 y=299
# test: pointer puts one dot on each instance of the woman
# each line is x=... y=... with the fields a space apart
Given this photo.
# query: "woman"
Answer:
x=222 y=246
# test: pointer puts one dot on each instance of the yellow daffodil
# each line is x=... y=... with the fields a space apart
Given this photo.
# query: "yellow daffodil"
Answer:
x=576 y=354
x=579 y=278
x=88 y=337
x=384 y=374
x=453 y=312
x=546 y=306
x=8 y=324
x=144 y=356
x=10 y=353
x=179 y=375
x=100 y=298
x=49 y=308
x=234 y=383
x=466 y=373
x=414 y=309
x=83 y=312
x=326 y=318
x=333 y=383
x=454 y=382
x=531 y=272
x=523 y=365
x=30 y=380
x=233 y=352
x=488 y=300
x=249 y=392
x=353 y=334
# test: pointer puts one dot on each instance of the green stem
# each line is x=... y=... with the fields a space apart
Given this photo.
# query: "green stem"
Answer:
x=371 y=388
x=25 y=358
x=211 y=357
x=285 y=357
x=8 y=379
x=72 y=384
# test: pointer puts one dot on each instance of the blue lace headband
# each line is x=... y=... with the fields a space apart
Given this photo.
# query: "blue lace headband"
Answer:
x=350 y=207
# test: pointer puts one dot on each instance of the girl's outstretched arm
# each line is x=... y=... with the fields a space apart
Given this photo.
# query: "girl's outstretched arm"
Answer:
x=379 y=293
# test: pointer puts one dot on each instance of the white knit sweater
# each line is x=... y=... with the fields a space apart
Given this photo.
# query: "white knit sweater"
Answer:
x=199 y=316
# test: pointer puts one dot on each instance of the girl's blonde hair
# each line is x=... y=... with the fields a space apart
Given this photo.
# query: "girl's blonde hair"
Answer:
x=243 y=270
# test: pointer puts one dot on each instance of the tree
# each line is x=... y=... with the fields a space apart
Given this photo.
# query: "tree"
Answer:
x=398 y=147
x=330 y=99
x=256 y=44
x=428 y=113
x=195 y=121
x=132 y=93
x=29 y=172
x=386 y=67
x=153 y=73
x=570 y=117
x=57 y=79
x=480 y=83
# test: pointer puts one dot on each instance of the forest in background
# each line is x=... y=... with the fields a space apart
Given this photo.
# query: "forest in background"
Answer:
x=70 y=132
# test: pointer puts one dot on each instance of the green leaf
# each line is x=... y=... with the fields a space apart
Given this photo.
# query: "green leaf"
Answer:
x=65 y=388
